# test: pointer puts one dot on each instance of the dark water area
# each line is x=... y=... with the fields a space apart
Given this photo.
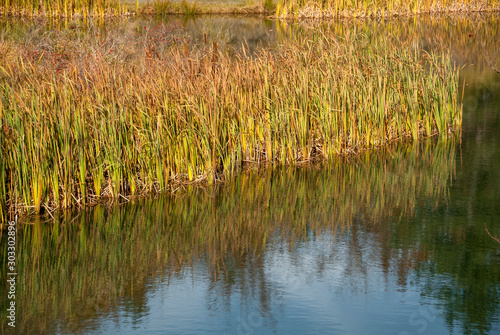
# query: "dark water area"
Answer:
x=393 y=241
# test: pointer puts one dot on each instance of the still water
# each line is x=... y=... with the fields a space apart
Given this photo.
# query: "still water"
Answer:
x=392 y=241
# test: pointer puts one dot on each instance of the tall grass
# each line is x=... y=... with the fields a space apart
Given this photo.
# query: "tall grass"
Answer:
x=114 y=8
x=282 y=8
x=66 y=8
x=379 y=8
x=81 y=123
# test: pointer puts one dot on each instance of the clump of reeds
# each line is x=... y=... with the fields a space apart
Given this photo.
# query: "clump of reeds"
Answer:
x=379 y=8
x=82 y=122
x=64 y=8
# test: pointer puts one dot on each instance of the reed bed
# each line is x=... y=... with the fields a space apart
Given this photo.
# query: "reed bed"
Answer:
x=61 y=8
x=281 y=8
x=86 y=264
x=380 y=8
x=115 y=8
x=81 y=122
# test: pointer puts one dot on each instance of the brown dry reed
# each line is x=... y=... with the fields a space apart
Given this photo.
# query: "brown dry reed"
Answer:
x=82 y=125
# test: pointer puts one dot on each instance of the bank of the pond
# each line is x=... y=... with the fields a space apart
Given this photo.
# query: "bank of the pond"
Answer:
x=80 y=123
x=378 y=9
x=278 y=8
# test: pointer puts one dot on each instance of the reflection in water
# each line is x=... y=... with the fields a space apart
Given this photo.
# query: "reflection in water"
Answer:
x=391 y=241
x=463 y=35
x=249 y=32
x=471 y=39
x=258 y=239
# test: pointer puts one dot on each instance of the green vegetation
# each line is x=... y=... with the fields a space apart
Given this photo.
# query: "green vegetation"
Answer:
x=81 y=122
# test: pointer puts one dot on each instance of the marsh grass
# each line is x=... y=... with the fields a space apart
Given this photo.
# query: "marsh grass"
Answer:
x=66 y=8
x=82 y=123
x=114 y=8
x=379 y=8
x=281 y=9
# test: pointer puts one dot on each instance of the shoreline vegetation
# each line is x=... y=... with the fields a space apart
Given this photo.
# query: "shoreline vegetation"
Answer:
x=328 y=9
x=283 y=9
x=82 y=122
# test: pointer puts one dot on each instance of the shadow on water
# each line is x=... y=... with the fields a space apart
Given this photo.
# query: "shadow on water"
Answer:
x=400 y=230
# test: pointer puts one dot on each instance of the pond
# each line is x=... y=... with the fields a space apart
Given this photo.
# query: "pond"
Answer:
x=392 y=241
